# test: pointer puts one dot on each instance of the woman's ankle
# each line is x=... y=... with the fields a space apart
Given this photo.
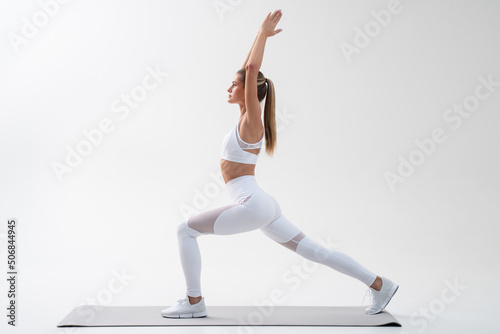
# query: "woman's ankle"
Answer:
x=194 y=300
x=377 y=284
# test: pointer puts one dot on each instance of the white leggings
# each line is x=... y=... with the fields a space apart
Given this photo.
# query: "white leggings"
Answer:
x=252 y=209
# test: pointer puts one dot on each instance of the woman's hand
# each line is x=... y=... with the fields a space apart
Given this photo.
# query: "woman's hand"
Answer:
x=267 y=27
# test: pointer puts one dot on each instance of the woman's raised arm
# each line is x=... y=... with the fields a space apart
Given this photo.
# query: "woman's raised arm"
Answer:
x=253 y=66
x=266 y=30
x=249 y=53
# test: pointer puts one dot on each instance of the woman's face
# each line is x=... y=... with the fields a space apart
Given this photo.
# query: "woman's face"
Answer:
x=236 y=91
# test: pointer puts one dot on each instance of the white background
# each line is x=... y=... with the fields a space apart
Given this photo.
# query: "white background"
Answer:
x=348 y=124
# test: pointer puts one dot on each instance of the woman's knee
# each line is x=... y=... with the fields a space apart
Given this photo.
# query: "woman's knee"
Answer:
x=183 y=231
x=294 y=242
x=313 y=251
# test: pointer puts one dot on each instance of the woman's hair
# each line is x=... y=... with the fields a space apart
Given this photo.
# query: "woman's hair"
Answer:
x=269 y=108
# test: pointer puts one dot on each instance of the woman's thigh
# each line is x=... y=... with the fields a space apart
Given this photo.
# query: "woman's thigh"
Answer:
x=284 y=232
x=204 y=222
x=256 y=211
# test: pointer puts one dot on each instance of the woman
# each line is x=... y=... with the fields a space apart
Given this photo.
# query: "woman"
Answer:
x=252 y=207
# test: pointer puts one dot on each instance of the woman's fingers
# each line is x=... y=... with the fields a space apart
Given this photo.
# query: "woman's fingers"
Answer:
x=271 y=21
x=275 y=17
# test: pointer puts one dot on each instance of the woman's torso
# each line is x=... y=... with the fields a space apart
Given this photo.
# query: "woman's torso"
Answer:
x=251 y=134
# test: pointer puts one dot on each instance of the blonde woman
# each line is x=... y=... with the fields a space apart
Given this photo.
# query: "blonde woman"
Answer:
x=252 y=208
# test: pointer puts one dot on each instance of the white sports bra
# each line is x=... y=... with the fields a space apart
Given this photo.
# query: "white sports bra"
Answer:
x=233 y=148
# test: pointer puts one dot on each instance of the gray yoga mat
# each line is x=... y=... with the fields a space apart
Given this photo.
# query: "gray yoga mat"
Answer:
x=101 y=316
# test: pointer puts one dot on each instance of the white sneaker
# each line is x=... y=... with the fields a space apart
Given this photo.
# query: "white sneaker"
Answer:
x=184 y=309
x=381 y=298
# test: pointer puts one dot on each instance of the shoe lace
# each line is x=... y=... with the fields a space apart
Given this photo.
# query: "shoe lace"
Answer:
x=370 y=294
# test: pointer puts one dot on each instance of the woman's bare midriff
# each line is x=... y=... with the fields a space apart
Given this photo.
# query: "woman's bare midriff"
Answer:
x=231 y=169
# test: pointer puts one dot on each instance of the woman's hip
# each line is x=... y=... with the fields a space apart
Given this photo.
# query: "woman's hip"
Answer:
x=244 y=190
x=241 y=188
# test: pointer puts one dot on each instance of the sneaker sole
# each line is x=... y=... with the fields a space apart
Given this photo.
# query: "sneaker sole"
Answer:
x=393 y=291
x=187 y=315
